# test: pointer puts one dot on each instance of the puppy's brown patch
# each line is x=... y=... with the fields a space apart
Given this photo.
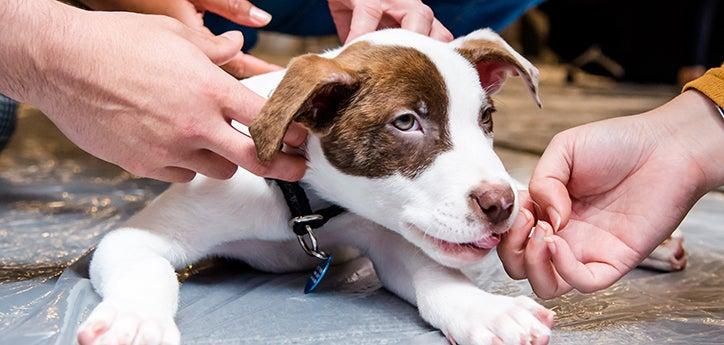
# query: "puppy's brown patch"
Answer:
x=349 y=102
x=360 y=142
x=309 y=79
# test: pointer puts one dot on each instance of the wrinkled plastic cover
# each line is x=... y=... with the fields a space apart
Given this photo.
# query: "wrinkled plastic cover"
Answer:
x=54 y=207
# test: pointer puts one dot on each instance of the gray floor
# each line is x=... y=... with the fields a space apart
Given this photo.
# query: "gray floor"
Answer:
x=56 y=201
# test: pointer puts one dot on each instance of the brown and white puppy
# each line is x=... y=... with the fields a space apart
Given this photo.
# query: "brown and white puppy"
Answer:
x=401 y=136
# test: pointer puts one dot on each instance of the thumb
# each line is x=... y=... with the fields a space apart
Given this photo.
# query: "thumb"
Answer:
x=548 y=184
x=220 y=49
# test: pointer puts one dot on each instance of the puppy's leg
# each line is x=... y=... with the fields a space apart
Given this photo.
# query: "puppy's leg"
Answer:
x=132 y=270
x=468 y=315
x=446 y=298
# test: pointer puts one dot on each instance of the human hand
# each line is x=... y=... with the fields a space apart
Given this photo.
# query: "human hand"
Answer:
x=144 y=92
x=613 y=190
x=191 y=13
x=357 y=17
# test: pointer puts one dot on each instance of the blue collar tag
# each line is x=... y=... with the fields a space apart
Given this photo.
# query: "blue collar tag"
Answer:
x=319 y=272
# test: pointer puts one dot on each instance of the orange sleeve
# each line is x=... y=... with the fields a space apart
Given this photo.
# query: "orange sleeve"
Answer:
x=711 y=84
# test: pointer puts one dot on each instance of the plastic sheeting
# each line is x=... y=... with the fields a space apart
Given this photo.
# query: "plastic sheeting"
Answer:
x=56 y=203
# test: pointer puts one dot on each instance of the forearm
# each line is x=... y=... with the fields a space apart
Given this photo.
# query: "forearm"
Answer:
x=28 y=33
x=697 y=126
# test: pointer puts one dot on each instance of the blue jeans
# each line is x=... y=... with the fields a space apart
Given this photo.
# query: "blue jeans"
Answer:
x=8 y=109
x=312 y=17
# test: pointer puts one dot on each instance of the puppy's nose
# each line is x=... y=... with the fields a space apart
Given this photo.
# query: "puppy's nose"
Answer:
x=495 y=201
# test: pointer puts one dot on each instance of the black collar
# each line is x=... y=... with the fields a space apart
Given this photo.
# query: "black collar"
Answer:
x=302 y=214
x=303 y=219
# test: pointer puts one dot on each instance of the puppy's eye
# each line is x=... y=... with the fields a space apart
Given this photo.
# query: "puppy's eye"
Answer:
x=486 y=119
x=406 y=122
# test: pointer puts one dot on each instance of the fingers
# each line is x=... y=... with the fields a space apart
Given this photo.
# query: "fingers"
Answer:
x=419 y=19
x=548 y=184
x=238 y=11
x=366 y=16
x=342 y=17
x=242 y=105
x=440 y=32
x=355 y=17
x=210 y=164
x=243 y=65
x=544 y=280
x=589 y=277
x=296 y=135
x=172 y=174
x=511 y=249
x=220 y=49
x=185 y=12
x=240 y=150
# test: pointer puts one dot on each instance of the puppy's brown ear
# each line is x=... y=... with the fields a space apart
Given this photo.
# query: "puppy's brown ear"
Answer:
x=495 y=60
x=312 y=92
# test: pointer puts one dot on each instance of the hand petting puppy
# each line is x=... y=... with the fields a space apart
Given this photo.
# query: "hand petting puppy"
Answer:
x=356 y=17
x=191 y=13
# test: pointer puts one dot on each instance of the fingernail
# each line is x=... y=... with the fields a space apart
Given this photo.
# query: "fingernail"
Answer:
x=260 y=15
x=551 y=244
x=233 y=35
x=554 y=217
x=547 y=228
x=538 y=232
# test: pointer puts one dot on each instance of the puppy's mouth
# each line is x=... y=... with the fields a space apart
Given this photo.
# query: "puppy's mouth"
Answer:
x=466 y=251
x=481 y=246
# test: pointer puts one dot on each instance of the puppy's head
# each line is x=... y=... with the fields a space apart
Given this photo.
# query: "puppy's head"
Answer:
x=402 y=134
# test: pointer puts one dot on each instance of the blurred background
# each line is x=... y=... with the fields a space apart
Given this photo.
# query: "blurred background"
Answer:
x=598 y=59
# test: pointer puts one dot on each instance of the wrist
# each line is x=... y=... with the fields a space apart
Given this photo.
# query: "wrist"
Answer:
x=697 y=128
x=28 y=38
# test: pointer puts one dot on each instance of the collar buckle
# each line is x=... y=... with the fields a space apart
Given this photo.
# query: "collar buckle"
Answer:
x=305 y=223
x=305 y=220
x=311 y=248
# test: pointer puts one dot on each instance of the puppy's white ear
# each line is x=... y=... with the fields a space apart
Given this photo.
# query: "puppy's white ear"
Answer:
x=495 y=60
x=311 y=92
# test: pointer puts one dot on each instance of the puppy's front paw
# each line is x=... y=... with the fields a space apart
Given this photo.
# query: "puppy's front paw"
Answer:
x=109 y=324
x=474 y=317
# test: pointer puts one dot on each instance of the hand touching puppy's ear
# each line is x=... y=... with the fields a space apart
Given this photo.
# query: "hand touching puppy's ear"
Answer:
x=312 y=91
x=495 y=60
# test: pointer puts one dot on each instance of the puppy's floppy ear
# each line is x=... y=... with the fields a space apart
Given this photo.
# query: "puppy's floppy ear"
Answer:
x=495 y=59
x=312 y=92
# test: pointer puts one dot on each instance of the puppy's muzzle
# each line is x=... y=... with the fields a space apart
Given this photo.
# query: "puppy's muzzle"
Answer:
x=494 y=202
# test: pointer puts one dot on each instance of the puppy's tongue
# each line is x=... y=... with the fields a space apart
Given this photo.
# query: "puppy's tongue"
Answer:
x=488 y=242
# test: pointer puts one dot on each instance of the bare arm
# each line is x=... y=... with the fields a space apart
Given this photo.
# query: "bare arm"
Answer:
x=140 y=91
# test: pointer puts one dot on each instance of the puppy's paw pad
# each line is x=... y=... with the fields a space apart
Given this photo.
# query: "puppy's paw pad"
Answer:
x=99 y=321
x=111 y=325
